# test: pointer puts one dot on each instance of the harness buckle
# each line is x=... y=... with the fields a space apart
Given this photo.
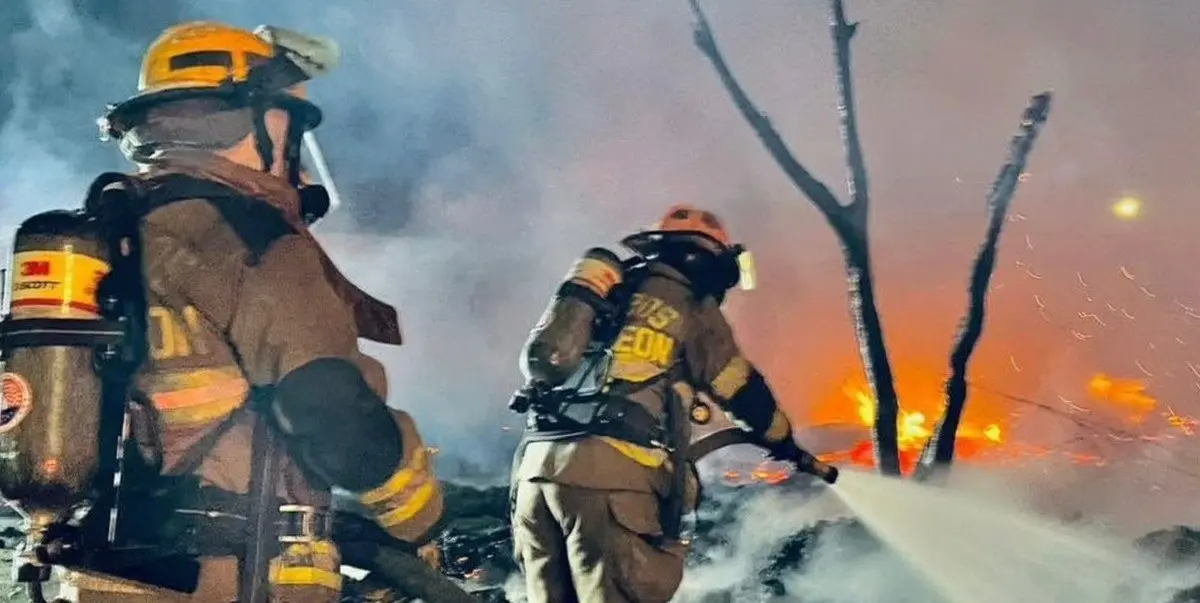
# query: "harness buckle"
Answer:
x=302 y=523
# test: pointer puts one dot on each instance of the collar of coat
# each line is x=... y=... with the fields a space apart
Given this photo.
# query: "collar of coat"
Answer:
x=376 y=320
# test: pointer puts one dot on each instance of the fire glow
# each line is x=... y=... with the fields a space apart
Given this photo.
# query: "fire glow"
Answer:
x=978 y=440
x=913 y=431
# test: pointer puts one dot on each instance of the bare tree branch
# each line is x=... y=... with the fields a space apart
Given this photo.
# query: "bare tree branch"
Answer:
x=843 y=33
x=939 y=450
x=814 y=189
x=849 y=222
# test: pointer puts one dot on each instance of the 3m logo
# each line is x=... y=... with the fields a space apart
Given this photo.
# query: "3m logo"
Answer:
x=35 y=268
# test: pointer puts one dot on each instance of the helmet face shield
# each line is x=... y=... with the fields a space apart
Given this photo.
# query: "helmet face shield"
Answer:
x=314 y=170
x=314 y=56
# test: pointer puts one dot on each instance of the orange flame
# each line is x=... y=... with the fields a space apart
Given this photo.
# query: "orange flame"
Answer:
x=766 y=472
x=913 y=431
x=1129 y=393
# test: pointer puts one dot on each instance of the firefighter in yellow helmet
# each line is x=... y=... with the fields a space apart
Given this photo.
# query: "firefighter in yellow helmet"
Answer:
x=252 y=329
x=614 y=369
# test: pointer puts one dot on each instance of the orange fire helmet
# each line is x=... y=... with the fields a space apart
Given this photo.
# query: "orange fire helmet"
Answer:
x=687 y=219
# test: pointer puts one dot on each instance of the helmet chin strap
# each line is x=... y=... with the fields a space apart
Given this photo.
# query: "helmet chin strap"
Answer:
x=291 y=153
x=322 y=168
x=314 y=200
x=262 y=136
x=266 y=147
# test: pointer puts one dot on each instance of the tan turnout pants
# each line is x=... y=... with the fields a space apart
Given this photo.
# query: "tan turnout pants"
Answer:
x=582 y=545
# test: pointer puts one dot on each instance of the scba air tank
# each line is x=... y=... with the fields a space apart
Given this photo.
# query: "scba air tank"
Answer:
x=557 y=344
x=50 y=411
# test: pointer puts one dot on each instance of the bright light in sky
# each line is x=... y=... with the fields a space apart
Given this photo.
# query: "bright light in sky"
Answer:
x=1127 y=208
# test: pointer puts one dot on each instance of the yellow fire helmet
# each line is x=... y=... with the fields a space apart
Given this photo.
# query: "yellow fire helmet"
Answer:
x=262 y=69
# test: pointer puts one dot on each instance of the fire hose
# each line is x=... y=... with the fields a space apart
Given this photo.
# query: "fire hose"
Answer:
x=363 y=544
x=731 y=436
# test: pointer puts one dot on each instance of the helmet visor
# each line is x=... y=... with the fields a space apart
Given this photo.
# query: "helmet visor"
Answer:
x=312 y=56
x=314 y=170
x=297 y=59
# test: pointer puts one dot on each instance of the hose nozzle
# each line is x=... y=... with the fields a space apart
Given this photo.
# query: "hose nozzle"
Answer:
x=811 y=465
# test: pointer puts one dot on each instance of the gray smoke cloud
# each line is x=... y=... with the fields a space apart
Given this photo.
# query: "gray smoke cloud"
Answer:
x=482 y=146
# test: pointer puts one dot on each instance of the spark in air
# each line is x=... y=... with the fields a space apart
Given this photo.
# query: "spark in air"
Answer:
x=1127 y=208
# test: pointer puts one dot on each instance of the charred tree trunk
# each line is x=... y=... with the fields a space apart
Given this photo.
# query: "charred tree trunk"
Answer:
x=848 y=221
x=939 y=450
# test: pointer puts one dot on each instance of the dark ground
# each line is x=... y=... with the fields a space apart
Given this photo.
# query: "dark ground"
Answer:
x=475 y=547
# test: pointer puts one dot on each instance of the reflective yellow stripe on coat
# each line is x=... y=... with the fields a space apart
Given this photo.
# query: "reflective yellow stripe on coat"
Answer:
x=405 y=494
x=653 y=457
x=186 y=399
x=646 y=457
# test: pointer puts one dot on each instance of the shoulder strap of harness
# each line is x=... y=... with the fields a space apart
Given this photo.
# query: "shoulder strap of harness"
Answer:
x=120 y=294
x=636 y=271
x=257 y=224
x=119 y=202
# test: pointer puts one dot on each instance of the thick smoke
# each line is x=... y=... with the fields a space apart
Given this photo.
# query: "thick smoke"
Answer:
x=482 y=146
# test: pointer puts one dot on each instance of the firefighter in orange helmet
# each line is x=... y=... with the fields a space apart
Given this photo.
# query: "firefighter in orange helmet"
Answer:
x=252 y=328
x=625 y=353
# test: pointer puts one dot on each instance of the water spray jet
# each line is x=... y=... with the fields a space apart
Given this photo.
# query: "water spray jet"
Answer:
x=973 y=547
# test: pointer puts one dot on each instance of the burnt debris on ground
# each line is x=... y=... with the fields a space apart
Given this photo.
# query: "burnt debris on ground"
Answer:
x=474 y=549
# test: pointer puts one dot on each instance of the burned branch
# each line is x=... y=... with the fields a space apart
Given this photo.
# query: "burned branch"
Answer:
x=843 y=33
x=849 y=221
x=814 y=189
x=939 y=450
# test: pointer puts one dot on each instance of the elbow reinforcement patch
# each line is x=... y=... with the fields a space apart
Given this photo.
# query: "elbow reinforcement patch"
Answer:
x=753 y=404
x=336 y=424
